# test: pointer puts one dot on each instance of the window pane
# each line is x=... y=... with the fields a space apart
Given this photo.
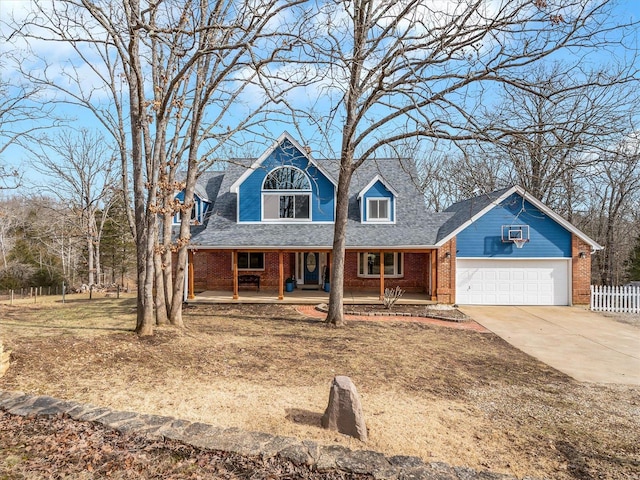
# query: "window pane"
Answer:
x=382 y=209
x=271 y=206
x=389 y=263
x=302 y=206
x=243 y=260
x=373 y=264
x=256 y=260
x=369 y=264
x=287 y=178
x=286 y=206
x=378 y=209
x=373 y=209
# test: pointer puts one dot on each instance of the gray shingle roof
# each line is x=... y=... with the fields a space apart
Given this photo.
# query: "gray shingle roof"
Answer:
x=208 y=185
x=415 y=226
x=463 y=211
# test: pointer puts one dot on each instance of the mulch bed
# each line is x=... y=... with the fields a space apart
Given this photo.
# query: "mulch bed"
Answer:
x=450 y=318
x=450 y=314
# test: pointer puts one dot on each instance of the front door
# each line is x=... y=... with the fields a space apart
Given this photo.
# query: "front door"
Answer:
x=311 y=268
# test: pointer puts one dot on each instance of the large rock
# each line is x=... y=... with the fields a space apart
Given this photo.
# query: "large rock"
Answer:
x=4 y=359
x=344 y=412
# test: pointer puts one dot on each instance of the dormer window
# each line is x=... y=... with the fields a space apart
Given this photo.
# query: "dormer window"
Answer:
x=286 y=195
x=197 y=211
x=378 y=209
x=377 y=202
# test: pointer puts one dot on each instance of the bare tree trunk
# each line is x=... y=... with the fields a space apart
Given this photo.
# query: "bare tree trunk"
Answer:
x=167 y=262
x=98 y=266
x=335 y=315
x=90 y=258
x=161 y=307
x=4 y=252
x=144 y=241
x=175 y=316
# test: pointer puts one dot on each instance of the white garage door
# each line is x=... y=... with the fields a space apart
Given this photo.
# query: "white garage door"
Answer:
x=512 y=282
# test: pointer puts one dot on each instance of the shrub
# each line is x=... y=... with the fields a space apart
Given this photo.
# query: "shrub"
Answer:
x=391 y=296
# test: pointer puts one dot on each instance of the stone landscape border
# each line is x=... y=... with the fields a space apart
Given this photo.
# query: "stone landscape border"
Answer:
x=302 y=452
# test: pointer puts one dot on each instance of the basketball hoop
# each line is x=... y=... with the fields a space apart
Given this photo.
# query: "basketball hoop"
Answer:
x=519 y=242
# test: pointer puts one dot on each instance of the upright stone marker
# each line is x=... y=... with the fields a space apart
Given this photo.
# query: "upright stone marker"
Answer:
x=344 y=412
x=4 y=359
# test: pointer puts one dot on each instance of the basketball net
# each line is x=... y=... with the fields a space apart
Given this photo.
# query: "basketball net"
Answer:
x=519 y=242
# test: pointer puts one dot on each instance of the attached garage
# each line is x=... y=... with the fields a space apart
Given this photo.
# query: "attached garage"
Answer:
x=513 y=281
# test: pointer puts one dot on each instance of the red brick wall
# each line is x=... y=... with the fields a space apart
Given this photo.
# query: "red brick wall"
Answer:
x=580 y=271
x=214 y=270
x=446 y=272
x=412 y=281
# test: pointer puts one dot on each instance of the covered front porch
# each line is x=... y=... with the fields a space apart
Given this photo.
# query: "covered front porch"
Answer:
x=258 y=276
x=305 y=297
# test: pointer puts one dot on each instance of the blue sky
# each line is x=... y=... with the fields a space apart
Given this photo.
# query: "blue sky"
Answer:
x=17 y=157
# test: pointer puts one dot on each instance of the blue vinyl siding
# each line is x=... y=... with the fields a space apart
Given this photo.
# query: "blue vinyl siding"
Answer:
x=483 y=238
x=322 y=190
x=378 y=190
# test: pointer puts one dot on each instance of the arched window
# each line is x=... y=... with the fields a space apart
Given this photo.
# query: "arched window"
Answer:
x=279 y=202
x=286 y=178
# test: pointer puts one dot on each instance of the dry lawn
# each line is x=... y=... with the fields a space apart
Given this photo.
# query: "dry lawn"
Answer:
x=461 y=397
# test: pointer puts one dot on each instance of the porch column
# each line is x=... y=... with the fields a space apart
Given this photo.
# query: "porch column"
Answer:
x=280 y=276
x=190 y=295
x=234 y=256
x=381 y=275
x=433 y=256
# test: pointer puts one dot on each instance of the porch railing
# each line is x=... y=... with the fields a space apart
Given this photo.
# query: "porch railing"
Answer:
x=615 y=299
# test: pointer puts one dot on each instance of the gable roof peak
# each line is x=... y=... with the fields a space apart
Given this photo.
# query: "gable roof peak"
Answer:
x=468 y=211
x=305 y=151
x=377 y=178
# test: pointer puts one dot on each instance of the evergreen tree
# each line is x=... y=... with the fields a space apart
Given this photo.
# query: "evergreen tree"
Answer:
x=633 y=268
x=117 y=248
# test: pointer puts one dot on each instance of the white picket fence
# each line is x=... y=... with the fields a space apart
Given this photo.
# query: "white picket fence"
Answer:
x=615 y=299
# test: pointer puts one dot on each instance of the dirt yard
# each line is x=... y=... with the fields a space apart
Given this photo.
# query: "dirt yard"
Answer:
x=444 y=394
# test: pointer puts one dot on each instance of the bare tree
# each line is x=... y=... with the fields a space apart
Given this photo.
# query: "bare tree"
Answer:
x=79 y=170
x=41 y=242
x=151 y=61
x=547 y=137
x=205 y=101
x=420 y=70
x=22 y=117
x=11 y=216
x=613 y=190
x=566 y=150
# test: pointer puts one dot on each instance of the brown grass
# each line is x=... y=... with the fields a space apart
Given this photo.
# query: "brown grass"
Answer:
x=462 y=397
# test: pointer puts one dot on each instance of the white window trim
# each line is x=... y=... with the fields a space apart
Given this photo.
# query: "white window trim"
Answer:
x=279 y=193
x=250 y=269
x=386 y=275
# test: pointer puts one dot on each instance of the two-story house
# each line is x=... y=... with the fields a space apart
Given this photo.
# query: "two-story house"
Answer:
x=271 y=219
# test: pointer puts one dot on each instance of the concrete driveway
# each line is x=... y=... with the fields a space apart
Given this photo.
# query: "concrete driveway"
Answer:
x=583 y=344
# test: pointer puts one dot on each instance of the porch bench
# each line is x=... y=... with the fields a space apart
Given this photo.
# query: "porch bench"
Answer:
x=249 y=280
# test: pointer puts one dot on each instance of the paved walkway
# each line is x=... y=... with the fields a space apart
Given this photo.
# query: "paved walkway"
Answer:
x=583 y=344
